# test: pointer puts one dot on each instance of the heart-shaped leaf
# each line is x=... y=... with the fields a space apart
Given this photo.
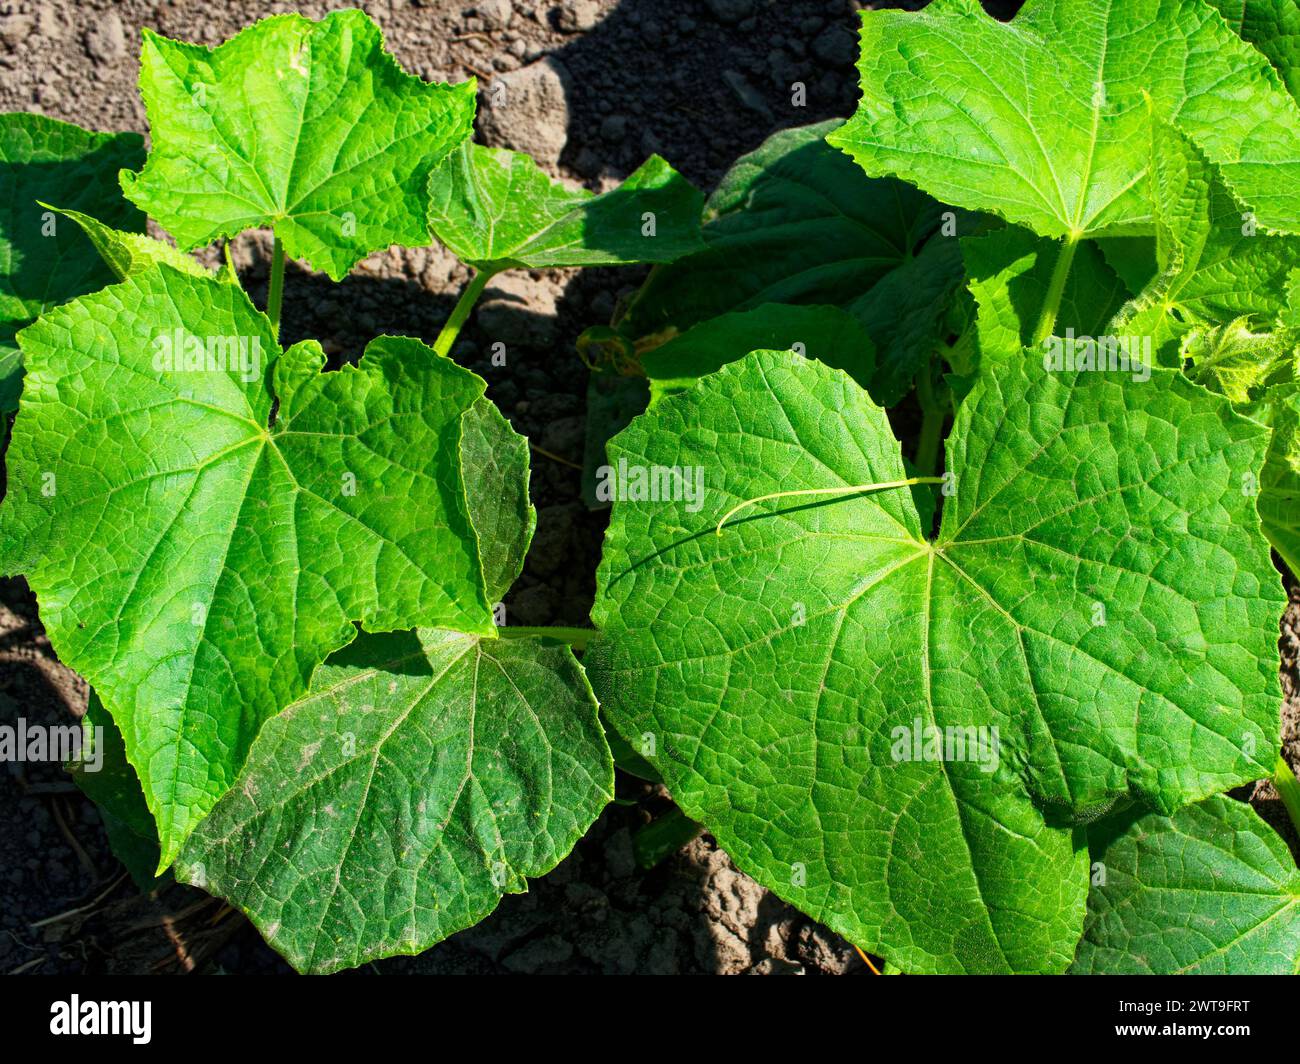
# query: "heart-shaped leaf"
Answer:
x=1095 y=619
x=425 y=775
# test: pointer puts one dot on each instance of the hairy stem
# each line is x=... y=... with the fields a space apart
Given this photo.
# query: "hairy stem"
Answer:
x=1055 y=289
x=575 y=637
x=460 y=313
x=1287 y=786
x=275 y=294
x=851 y=489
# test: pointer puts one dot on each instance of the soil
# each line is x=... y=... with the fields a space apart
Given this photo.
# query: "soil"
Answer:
x=700 y=82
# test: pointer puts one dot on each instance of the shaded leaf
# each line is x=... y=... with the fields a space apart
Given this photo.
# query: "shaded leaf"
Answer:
x=1211 y=890
x=497 y=209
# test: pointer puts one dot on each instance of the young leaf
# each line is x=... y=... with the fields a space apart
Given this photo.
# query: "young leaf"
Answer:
x=795 y=222
x=309 y=127
x=824 y=333
x=128 y=253
x=1098 y=593
x=497 y=209
x=1240 y=363
x=1211 y=890
x=1272 y=26
x=195 y=559
x=1043 y=120
x=425 y=775
x=43 y=263
x=1215 y=269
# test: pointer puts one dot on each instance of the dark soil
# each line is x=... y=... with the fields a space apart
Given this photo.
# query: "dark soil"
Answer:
x=700 y=82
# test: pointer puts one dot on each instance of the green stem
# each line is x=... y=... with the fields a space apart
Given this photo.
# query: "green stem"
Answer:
x=934 y=413
x=1055 y=289
x=275 y=294
x=460 y=313
x=575 y=637
x=1287 y=786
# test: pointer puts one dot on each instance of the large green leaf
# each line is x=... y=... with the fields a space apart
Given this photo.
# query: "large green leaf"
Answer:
x=1098 y=592
x=44 y=262
x=1043 y=120
x=425 y=775
x=497 y=209
x=310 y=127
x=796 y=222
x=1211 y=890
x=196 y=558
x=1272 y=26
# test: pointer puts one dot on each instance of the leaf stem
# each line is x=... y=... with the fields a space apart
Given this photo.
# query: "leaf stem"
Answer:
x=460 y=312
x=275 y=293
x=1055 y=289
x=575 y=637
x=1287 y=786
x=934 y=413
x=851 y=489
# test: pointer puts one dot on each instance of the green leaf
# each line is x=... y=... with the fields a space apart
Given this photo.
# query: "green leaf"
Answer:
x=128 y=253
x=1043 y=120
x=194 y=558
x=42 y=263
x=1272 y=26
x=825 y=333
x=795 y=222
x=1211 y=890
x=107 y=779
x=309 y=127
x=1215 y=269
x=1098 y=592
x=1279 y=481
x=494 y=469
x=425 y=775
x=497 y=209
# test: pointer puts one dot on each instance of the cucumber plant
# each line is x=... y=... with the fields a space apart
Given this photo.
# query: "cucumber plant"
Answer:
x=937 y=583
x=279 y=581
